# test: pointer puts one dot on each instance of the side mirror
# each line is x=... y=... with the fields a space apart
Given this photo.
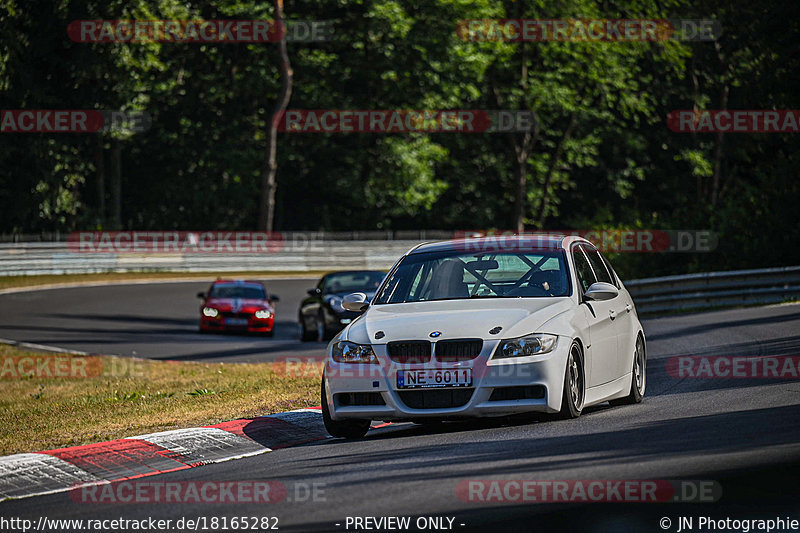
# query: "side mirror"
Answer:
x=356 y=301
x=601 y=292
x=274 y=297
x=201 y=295
x=314 y=292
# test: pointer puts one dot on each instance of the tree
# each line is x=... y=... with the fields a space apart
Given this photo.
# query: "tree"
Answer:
x=269 y=183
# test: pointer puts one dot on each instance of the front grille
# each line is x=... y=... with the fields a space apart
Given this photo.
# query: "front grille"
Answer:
x=527 y=392
x=409 y=351
x=458 y=349
x=360 y=398
x=435 y=399
x=231 y=314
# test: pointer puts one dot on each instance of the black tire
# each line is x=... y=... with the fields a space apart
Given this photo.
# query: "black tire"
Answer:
x=348 y=429
x=574 y=385
x=270 y=333
x=306 y=335
x=322 y=334
x=638 y=376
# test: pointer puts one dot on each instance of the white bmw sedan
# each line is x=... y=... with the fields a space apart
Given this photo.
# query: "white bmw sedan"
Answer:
x=486 y=327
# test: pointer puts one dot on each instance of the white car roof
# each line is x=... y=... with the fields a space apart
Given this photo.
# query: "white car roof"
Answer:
x=540 y=241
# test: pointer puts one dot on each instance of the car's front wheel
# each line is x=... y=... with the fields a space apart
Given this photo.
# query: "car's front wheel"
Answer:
x=306 y=334
x=348 y=429
x=574 y=384
x=323 y=333
x=638 y=376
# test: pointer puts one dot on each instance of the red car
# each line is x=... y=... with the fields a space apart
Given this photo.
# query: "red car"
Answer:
x=237 y=305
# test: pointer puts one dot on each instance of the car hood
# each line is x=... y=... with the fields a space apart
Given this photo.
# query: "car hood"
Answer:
x=456 y=319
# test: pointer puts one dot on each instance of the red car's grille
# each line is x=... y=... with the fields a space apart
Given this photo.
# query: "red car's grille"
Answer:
x=458 y=349
x=409 y=351
x=231 y=314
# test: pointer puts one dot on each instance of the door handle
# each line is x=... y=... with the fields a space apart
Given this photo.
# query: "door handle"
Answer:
x=612 y=314
x=628 y=307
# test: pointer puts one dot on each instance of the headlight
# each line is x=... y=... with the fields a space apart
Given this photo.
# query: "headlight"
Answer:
x=210 y=312
x=263 y=313
x=536 y=344
x=348 y=352
x=335 y=302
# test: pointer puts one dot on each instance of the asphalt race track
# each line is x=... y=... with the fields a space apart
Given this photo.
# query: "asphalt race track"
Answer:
x=157 y=321
x=742 y=433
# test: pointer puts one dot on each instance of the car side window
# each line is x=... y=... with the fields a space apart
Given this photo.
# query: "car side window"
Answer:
x=582 y=268
x=394 y=290
x=614 y=278
x=597 y=264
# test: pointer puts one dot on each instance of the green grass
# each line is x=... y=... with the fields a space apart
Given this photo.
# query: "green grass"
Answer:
x=104 y=397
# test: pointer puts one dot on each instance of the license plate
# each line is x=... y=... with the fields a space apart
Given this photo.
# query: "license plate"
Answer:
x=440 y=377
x=235 y=321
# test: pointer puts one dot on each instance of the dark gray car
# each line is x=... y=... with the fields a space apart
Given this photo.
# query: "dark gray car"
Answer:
x=321 y=314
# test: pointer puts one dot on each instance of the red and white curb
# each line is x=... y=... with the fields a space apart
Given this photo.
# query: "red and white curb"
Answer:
x=33 y=474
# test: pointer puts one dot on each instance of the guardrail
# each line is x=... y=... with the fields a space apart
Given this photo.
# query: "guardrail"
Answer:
x=387 y=235
x=715 y=289
x=36 y=258
x=652 y=295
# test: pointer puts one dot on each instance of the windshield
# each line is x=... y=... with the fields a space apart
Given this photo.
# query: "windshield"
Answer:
x=248 y=292
x=353 y=282
x=452 y=275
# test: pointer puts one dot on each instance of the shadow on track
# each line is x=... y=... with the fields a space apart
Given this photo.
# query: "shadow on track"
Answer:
x=674 y=437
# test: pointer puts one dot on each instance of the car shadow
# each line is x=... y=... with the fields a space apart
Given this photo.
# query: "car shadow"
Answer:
x=542 y=452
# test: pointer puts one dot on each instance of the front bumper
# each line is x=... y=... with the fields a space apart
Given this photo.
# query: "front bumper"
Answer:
x=339 y=319
x=254 y=325
x=358 y=390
